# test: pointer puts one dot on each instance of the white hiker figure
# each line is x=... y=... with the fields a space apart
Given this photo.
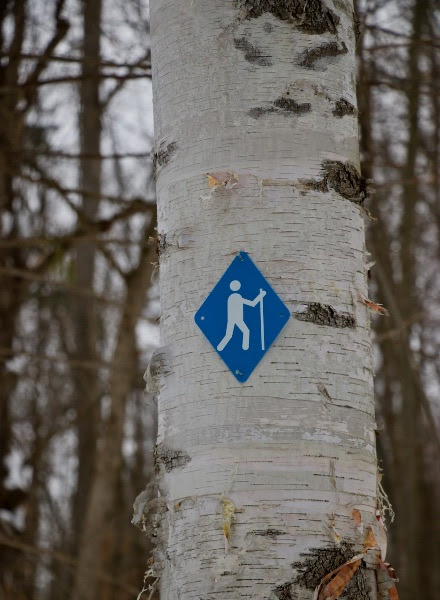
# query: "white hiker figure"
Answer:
x=235 y=316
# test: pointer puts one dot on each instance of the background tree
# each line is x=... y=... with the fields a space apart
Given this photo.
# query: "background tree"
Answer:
x=76 y=293
x=398 y=97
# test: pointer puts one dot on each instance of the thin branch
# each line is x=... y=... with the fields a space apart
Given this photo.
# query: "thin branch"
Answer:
x=69 y=240
x=80 y=155
x=75 y=289
x=55 y=185
x=79 y=59
x=66 y=559
x=92 y=365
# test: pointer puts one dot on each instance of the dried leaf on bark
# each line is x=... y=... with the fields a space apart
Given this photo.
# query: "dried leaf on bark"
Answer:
x=229 y=509
x=378 y=308
x=392 y=593
x=356 y=514
x=222 y=179
x=370 y=540
x=334 y=583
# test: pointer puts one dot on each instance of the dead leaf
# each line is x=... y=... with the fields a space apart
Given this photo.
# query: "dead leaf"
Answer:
x=356 y=514
x=338 y=579
x=370 y=540
x=378 y=308
x=222 y=179
x=213 y=182
x=334 y=535
x=229 y=509
x=392 y=593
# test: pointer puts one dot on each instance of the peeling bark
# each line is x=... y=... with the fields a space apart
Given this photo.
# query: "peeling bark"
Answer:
x=310 y=16
x=327 y=50
x=157 y=370
x=317 y=563
x=324 y=314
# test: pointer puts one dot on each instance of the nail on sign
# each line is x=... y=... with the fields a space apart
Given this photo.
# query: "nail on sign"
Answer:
x=242 y=316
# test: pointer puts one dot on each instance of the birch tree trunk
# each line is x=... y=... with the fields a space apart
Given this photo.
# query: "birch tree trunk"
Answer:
x=264 y=90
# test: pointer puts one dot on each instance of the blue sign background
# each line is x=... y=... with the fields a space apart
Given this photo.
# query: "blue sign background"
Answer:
x=212 y=316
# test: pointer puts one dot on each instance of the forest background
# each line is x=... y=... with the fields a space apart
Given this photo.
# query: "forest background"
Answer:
x=79 y=302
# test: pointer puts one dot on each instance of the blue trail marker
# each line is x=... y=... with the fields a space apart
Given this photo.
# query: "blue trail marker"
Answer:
x=242 y=316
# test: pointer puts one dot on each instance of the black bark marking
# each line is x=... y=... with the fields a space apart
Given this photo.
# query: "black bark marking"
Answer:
x=324 y=314
x=327 y=50
x=163 y=155
x=283 y=105
x=320 y=561
x=324 y=391
x=343 y=107
x=284 y=592
x=310 y=16
x=251 y=53
x=357 y=27
x=162 y=243
x=169 y=458
x=270 y=533
x=344 y=178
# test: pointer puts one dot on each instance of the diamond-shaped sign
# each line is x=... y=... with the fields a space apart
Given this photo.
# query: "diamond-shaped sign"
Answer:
x=242 y=316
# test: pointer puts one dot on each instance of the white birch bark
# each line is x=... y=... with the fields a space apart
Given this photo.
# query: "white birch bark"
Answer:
x=265 y=89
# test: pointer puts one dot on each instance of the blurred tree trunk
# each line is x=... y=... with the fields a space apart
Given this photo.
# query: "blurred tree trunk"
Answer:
x=11 y=289
x=410 y=430
x=84 y=315
x=97 y=544
x=265 y=94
